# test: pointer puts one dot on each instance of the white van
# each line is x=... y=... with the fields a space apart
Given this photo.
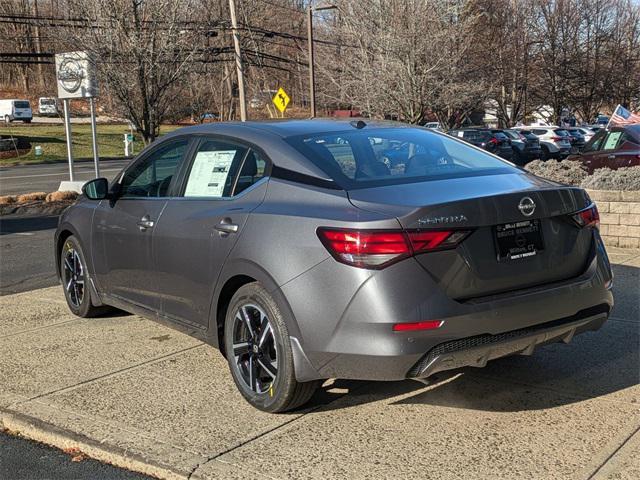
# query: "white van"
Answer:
x=13 y=109
x=47 y=106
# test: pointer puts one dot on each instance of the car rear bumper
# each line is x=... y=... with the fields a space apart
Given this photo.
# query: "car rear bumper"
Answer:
x=352 y=335
x=477 y=351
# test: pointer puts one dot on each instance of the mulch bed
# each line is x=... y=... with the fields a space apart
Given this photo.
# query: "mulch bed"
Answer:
x=35 y=208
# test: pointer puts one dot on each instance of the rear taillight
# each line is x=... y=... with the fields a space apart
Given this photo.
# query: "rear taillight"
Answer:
x=494 y=141
x=589 y=217
x=557 y=139
x=379 y=248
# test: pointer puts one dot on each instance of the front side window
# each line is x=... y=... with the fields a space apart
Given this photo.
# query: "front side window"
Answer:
x=152 y=176
x=595 y=143
x=222 y=169
x=372 y=157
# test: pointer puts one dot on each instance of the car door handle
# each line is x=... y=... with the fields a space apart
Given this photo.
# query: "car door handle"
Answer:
x=224 y=227
x=145 y=222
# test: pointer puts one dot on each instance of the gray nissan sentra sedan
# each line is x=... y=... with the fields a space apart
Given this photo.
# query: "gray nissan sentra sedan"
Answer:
x=294 y=249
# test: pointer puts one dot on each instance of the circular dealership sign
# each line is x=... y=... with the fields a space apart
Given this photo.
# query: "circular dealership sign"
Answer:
x=70 y=75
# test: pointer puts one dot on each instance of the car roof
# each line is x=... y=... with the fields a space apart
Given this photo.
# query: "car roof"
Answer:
x=293 y=127
x=268 y=135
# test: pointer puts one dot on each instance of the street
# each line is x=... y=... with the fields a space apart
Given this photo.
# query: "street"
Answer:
x=22 y=459
x=26 y=253
x=46 y=177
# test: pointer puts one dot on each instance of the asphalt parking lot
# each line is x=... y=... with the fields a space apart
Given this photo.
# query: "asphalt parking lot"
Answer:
x=128 y=391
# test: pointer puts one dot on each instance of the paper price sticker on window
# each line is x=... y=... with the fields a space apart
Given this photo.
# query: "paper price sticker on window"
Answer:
x=209 y=173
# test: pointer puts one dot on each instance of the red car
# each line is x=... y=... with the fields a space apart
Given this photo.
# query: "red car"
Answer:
x=614 y=148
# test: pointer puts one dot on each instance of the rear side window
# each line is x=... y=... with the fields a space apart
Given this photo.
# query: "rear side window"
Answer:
x=539 y=131
x=561 y=133
x=611 y=142
x=385 y=156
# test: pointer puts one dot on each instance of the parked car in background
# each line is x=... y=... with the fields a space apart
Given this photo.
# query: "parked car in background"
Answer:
x=586 y=132
x=555 y=142
x=433 y=125
x=48 y=106
x=15 y=109
x=290 y=247
x=493 y=141
x=577 y=140
x=614 y=148
x=525 y=145
x=602 y=120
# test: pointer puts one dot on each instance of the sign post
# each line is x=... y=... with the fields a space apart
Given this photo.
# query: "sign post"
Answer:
x=76 y=78
x=94 y=136
x=67 y=132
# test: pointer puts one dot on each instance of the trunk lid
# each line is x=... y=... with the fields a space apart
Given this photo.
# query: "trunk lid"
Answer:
x=484 y=204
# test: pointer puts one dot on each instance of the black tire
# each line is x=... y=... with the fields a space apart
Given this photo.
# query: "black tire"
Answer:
x=27 y=121
x=7 y=120
x=283 y=392
x=73 y=268
x=544 y=154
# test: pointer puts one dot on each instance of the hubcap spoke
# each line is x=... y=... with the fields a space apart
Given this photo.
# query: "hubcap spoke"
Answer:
x=241 y=348
x=266 y=333
x=73 y=276
x=269 y=368
x=247 y=320
x=254 y=348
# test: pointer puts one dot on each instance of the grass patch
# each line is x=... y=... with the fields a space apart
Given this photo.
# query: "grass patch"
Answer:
x=54 y=146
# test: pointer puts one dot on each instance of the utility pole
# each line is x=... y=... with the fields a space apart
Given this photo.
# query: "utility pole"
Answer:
x=37 y=43
x=236 y=44
x=312 y=76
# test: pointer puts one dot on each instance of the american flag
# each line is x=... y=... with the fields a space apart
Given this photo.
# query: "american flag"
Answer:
x=622 y=116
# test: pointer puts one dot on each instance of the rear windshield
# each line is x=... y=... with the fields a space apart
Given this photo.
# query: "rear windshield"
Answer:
x=387 y=156
x=21 y=104
x=512 y=134
x=476 y=135
x=47 y=101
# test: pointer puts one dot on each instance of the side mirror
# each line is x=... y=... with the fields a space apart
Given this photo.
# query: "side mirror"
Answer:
x=96 y=189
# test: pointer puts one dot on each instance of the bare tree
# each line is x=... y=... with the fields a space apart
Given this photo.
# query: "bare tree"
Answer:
x=407 y=60
x=144 y=50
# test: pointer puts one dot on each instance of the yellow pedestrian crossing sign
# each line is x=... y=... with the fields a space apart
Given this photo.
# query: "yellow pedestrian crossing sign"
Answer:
x=281 y=100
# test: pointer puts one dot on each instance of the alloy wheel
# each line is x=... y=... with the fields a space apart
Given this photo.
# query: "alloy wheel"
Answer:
x=73 y=276
x=254 y=348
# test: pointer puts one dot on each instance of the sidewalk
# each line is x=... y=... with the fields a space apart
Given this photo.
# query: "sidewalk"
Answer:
x=136 y=394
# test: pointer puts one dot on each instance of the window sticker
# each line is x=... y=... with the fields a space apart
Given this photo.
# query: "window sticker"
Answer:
x=209 y=173
x=612 y=140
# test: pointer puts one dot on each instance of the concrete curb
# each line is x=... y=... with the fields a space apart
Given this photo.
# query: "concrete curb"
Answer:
x=40 y=431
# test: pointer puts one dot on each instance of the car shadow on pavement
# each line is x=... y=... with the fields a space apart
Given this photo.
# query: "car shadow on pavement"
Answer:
x=27 y=224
